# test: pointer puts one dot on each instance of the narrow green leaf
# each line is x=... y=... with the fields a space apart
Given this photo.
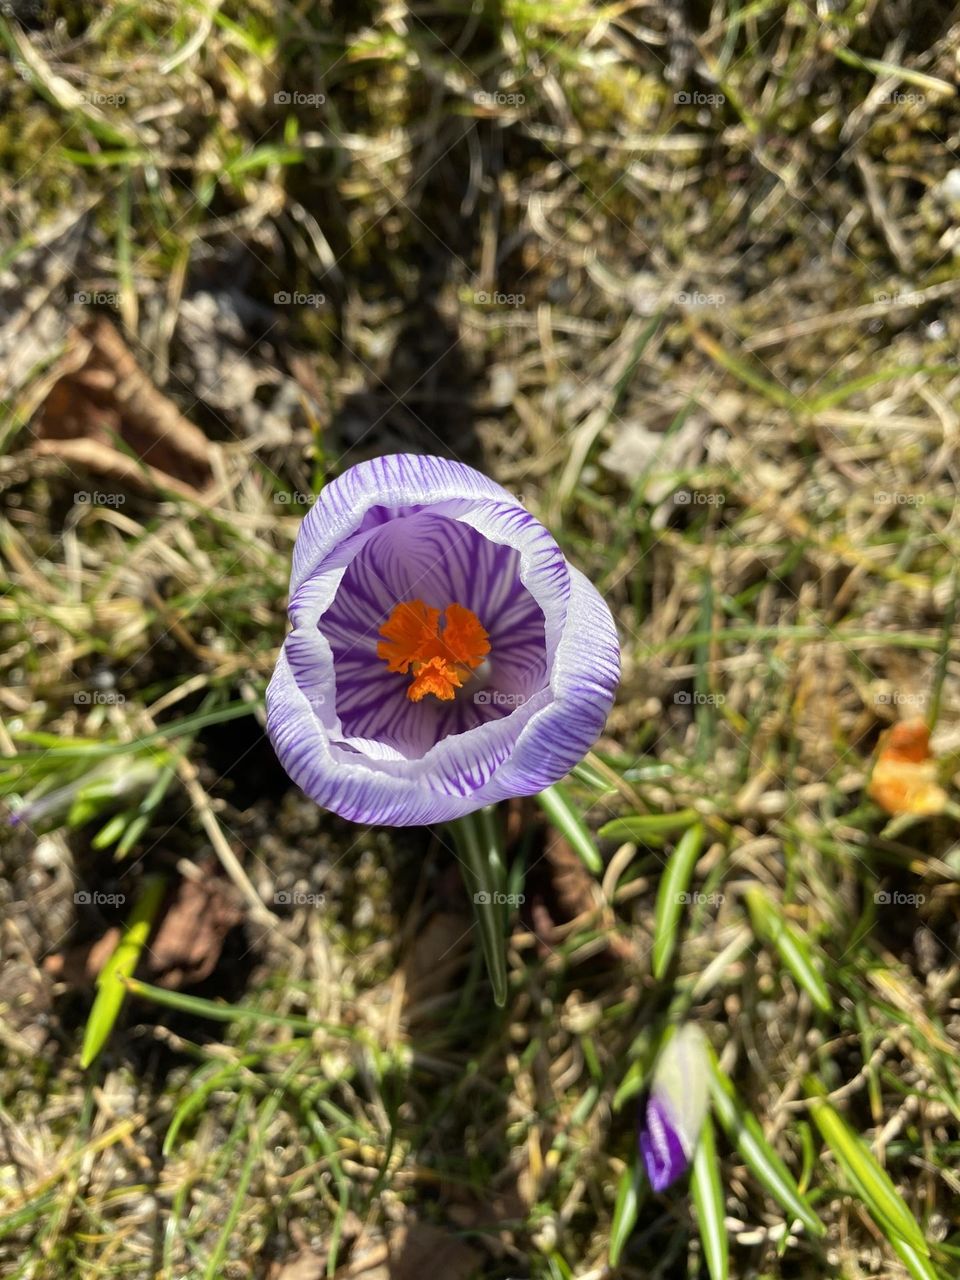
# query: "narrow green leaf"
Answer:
x=132 y=834
x=746 y=371
x=837 y=395
x=744 y=1131
x=880 y=68
x=259 y=158
x=477 y=844
x=565 y=816
x=111 y=991
x=265 y=1113
x=626 y=1210
x=112 y=831
x=201 y=1090
x=672 y=894
x=870 y=1180
x=707 y=1191
x=559 y=1267
x=590 y=777
x=793 y=950
x=919 y=1266
x=56 y=748
x=649 y=828
x=202 y=1008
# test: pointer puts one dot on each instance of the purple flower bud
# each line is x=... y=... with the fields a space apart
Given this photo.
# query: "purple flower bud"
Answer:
x=672 y=1117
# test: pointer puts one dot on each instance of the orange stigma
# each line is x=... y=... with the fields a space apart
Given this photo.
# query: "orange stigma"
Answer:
x=439 y=659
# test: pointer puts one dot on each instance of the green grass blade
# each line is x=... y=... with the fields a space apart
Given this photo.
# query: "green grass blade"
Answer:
x=590 y=777
x=744 y=1131
x=626 y=1210
x=196 y=1099
x=565 y=816
x=672 y=895
x=265 y=1113
x=745 y=370
x=202 y=1008
x=837 y=395
x=932 y=84
x=111 y=990
x=111 y=832
x=57 y=747
x=870 y=1180
x=649 y=828
x=707 y=1190
x=795 y=953
x=132 y=834
x=919 y=1266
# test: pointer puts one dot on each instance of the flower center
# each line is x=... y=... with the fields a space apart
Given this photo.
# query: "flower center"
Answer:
x=439 y=659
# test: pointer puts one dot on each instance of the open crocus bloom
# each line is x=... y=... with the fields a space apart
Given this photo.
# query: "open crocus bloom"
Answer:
x=444 y=655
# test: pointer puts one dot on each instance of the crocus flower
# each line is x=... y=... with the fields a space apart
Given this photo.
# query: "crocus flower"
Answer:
x=444 y=655
x=673 y=1114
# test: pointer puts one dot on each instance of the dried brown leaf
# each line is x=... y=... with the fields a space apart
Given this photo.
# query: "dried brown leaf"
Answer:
x=421 y=1250
x=191 y=933
x=185 y=947
x=101 y=395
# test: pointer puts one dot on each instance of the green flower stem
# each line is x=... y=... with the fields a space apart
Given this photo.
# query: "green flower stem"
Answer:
x=480 y=849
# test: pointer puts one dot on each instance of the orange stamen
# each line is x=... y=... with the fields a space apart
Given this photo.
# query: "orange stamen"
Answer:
x=436 y=677
x=440 y=660
x=409 y=629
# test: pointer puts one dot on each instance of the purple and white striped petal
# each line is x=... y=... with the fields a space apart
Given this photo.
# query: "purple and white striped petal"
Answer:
x=406 y=528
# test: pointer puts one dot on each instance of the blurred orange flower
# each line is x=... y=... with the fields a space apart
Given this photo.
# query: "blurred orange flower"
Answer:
x=904 y=778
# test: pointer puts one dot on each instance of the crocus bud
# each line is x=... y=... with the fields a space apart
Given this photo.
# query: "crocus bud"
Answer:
x=675 y=1107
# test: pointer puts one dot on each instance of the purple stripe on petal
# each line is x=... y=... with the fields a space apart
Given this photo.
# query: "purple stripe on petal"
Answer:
x=660 y=1146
